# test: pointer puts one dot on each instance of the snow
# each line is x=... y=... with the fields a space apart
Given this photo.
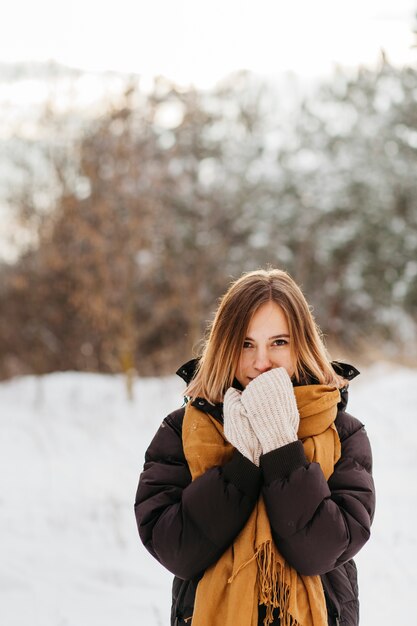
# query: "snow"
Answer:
x=71 y=450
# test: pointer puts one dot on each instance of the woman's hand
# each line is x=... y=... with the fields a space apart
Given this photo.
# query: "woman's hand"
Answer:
x=237 y=428
x=271 y=409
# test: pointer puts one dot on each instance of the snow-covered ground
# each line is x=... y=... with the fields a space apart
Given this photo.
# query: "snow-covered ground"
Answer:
x=71 y=449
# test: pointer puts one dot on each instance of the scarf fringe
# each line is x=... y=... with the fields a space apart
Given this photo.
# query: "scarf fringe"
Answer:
x=273 y=592
x=240 y=568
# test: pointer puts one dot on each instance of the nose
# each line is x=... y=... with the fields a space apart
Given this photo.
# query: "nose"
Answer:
x=262 y=362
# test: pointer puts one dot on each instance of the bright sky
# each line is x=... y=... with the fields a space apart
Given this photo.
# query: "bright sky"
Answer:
x=200 y=41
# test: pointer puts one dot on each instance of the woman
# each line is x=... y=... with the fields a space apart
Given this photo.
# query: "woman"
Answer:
x=258 y=493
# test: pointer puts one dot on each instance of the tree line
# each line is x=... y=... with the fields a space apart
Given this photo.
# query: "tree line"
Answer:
x=152 y=208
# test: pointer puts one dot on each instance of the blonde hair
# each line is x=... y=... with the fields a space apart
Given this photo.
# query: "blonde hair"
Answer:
x=220 y=357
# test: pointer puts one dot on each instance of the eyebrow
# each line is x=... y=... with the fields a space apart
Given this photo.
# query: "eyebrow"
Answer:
x=273 y=337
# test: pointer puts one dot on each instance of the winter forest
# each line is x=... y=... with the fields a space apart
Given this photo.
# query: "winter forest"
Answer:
x=127 y=206
x=130 y=224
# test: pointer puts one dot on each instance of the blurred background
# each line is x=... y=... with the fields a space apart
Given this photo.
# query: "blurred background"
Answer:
x=129 y=199
x=149 y=154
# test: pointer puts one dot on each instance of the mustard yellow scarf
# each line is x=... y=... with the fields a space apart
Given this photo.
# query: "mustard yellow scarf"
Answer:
x=252 y=571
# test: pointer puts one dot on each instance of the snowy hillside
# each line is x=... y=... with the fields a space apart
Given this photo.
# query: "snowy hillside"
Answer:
x=71 y=449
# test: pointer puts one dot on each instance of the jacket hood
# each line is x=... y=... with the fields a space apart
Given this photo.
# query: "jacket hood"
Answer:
x=187 y=371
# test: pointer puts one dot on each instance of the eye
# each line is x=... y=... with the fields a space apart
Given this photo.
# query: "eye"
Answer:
x=247 y=344
x=280 y=342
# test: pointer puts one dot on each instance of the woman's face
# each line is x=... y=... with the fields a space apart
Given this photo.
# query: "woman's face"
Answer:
x=266 y=345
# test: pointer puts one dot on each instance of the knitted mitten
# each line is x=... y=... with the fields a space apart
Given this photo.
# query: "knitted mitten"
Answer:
x=237 y=428
x=269 y=402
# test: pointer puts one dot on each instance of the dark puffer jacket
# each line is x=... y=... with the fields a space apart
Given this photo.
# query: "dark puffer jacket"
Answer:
x=318 y=526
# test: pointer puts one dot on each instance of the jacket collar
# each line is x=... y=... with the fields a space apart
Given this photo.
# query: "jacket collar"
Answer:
x=187 y=371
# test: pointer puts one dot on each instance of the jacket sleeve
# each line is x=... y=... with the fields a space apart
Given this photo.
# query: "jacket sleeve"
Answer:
x=318 y=525
x=187 y=525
